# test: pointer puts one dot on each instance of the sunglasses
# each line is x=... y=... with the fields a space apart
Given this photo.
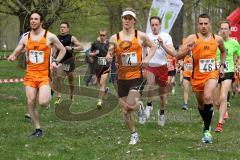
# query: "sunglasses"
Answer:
x=102 y=35
x=128 y=18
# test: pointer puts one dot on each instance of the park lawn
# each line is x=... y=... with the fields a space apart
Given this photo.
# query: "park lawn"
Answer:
x=106 y=137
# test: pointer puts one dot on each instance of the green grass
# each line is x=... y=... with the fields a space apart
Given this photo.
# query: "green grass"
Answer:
x=107 y=138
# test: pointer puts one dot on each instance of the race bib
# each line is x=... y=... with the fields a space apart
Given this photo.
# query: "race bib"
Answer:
x=225 y=69
x=129 y=59
x=102 y=61
x=207 y=65
x=66 y=67
x=36 y=57
x=188 y=67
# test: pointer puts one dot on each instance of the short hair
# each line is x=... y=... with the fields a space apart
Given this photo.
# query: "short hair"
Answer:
x=155 y=17
x=204 y=15
x=39 y=13
x=102 y=30
x=65 y=22
x=227 y=22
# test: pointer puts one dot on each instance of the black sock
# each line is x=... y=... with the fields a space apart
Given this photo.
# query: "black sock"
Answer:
x=208 y=111
x=38 y=129
x=149 y=103
x=161 y=112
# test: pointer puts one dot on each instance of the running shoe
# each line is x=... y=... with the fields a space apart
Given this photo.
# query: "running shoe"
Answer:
x=148 y=111
x=185 y=107
x=207 y=137
x=161 y=119
x=134 y=139
x=99 y=104
x=38 y=133
x=219 y=128
x=58 y=100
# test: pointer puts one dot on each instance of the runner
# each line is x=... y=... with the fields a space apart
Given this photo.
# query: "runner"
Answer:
x=157 y=72
x=203 y=46
x=171 y=72
x=99 y=51
x=38 y=43
x=71 y=44
x=127 y=47
x=225 y=83
x=187 y=73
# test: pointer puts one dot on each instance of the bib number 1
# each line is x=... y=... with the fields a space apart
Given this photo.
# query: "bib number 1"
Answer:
x=36 y=57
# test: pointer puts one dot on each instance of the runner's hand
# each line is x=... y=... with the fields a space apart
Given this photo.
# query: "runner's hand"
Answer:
x=221 y=71
x=11 y=58
x=160 y=41
x=53 y=66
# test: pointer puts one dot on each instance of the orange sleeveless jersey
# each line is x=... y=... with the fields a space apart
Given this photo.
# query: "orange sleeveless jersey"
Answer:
x=204 y=54
x=187 y=66
x=38 y=61
x=129 y=58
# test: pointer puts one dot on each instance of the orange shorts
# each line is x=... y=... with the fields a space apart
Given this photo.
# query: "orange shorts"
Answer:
x=198 y=83
x=36 y=82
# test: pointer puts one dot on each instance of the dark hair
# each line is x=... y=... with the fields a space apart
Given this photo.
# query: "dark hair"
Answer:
x=227 y=22
x=204 y=15
x=155 y=17
x=65 y=22
x=39 y=13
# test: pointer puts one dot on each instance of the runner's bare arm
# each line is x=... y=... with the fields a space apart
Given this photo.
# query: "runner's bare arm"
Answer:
x=222 y=49
x=18 y=49
x=169 y=49
x=186 y=48
x=146 y=42
x=77 y=45
x=111 y=48
x=56 y=43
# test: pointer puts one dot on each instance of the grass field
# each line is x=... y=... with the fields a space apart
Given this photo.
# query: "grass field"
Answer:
x=107 y=138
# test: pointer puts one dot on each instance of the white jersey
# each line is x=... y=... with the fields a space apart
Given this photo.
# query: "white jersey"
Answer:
x=160 y=56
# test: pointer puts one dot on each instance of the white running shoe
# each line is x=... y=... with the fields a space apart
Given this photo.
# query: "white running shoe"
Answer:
x=134 y=139
x=161 y=119
x=148 y=111
x=141 y=113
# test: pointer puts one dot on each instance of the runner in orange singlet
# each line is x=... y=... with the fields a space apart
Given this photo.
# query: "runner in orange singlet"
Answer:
x=187 y=73
x=38 y=43
x=127 y=47
x=203 y=47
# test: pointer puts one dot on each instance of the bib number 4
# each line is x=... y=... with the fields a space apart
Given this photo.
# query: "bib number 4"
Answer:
x=129 y=59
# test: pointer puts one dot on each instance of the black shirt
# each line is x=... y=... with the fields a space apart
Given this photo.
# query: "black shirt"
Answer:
x=103 y=49
x=66 y=41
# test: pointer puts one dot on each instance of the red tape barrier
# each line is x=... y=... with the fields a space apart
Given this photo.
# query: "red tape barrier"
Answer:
x=12 y=80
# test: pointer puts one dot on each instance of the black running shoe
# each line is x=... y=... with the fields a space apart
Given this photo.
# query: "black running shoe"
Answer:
x=38 y=133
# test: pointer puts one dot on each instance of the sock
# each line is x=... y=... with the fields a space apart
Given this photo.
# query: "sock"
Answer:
x=161 y=112
x=149 y=103
x=38 y=130
x=208 y=111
